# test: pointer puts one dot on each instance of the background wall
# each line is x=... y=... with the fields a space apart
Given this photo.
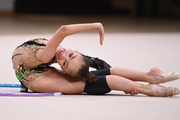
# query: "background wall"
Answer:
x=6 y=5
x=152 y=8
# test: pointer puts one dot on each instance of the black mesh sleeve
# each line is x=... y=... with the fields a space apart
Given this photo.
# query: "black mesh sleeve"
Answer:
x=97 y=63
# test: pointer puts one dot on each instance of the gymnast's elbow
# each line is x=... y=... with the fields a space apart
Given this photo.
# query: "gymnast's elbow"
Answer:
x=63 y=30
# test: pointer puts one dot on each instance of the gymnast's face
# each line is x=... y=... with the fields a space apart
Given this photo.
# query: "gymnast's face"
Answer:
x=69 y=60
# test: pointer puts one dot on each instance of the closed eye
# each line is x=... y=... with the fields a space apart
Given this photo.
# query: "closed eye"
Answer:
x=70 y=55
x=64 y=63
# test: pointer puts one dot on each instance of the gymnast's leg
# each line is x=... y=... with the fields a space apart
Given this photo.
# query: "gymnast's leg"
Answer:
x=123 y=84
x=154 y=76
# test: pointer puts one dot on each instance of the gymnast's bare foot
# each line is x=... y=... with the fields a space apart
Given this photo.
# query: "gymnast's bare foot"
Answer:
x=158 y=76
x=161 y=91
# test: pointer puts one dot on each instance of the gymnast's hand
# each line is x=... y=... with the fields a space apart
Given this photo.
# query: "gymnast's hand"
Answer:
x=101 y=32
x=133 y=92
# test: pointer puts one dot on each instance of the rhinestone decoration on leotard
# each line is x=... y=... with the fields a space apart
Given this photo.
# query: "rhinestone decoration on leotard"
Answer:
x=27 y=73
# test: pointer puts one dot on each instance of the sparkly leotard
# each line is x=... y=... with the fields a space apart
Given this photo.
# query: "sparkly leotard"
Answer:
x=26 y=65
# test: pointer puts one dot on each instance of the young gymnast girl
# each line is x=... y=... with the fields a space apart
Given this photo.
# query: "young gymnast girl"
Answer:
x=32 y=62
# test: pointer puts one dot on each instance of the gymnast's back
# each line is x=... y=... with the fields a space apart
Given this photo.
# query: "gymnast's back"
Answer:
x=26 y=65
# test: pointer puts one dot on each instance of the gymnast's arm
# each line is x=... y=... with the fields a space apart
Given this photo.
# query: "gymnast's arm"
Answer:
x=46 y=54
x=97 y=63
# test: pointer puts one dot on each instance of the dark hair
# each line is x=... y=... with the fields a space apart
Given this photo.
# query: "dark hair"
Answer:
x=84 y=72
